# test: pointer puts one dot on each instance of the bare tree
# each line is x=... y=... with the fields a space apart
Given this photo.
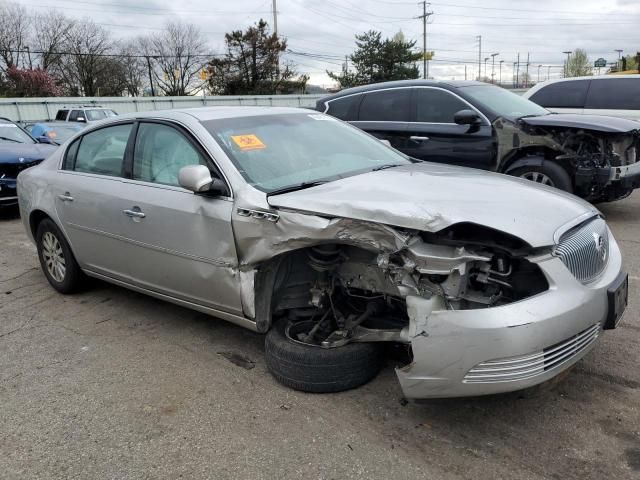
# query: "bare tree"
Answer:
x=14 y=30
x=177 y=55
x=84 y=67
x=50 y=34
x=134 y=67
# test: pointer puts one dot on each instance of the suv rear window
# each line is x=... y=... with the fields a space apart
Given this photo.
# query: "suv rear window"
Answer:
x=569 y=94
x=614 y=94
x=62 y=115
x=386 y=106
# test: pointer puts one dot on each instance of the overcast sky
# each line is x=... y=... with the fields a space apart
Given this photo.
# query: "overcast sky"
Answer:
x=326 y=28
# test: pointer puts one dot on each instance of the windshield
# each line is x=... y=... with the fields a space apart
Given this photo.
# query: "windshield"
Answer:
x=503 y=102
x=93 y=115
x=273 y=152
x=60 y=134
x=11 y=133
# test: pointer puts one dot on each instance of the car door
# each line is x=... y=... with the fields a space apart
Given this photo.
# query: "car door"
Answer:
x=616 y=97
x=435 y=137
x=385 y=115
x=178 y=243
x=88 y=199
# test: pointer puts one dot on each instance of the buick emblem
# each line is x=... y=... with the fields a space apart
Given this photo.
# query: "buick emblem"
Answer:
x=600 y=247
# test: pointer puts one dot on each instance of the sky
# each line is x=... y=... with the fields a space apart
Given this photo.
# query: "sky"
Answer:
x=321 y=32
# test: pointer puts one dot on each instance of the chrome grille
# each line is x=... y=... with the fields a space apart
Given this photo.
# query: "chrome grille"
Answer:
x=585 y=250
x=521 y=368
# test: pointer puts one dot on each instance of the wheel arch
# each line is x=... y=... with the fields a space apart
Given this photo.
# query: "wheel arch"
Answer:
x=533 y=156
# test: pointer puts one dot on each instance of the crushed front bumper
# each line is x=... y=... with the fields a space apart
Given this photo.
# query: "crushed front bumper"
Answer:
x=460 y=353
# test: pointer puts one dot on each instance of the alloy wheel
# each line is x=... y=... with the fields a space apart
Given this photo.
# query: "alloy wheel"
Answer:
x=53 y=257
x=538 y=177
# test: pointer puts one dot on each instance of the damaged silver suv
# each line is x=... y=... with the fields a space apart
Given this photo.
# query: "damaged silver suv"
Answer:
x=294 y=224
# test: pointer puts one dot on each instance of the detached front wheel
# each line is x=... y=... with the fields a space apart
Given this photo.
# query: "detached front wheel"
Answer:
x=311 y=368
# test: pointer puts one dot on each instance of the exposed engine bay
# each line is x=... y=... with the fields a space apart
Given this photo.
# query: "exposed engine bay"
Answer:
x=333 y=294
x=597 y=160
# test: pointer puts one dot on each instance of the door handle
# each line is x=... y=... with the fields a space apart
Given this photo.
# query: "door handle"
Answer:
x=66 y=197
x=418 y=139
x=134 y=213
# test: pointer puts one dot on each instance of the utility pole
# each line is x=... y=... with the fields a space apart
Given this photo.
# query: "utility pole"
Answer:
x=566 y=64
x=526 y=76
x=518 y=71
x=479 y=37
x=485 y=66
x=500 y=68
x=619 y=57
x=153 y=93
x=548 y=72
x=465 y=71
x=346 y=64
x=493 y=67
x=275 y=31
x=425 y=62
x=539 y=66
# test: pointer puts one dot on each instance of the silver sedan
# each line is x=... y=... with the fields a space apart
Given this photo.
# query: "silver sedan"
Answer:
x=294 y=224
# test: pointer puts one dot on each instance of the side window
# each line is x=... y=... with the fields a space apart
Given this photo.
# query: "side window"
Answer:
x=387 y=105
x=74 y=115
x=569 y=94
x=102 y=151
x=345 y=108
x=614 y=93
x=160 y=152
x=62 y=115
x=70 y=156
x=437 y=106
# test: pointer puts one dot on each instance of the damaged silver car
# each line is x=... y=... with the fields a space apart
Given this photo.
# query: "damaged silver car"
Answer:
x=302 y=227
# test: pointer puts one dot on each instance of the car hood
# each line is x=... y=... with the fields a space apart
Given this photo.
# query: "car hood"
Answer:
x=429 y=197
x=24 y=153
x=599 y=123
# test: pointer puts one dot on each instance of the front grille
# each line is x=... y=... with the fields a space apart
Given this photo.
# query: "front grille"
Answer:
x=521 y=368
x=585 y=250
x=11 y=170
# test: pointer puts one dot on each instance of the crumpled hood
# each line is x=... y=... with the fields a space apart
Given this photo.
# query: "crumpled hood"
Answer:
x=599 y=123
x=429 y=197
x=13 y=152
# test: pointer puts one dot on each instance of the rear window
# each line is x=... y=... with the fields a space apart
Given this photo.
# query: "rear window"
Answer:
x=345 y=108
x=386 y=106
x=614 y=94
x=569 y=94
x=62 y=115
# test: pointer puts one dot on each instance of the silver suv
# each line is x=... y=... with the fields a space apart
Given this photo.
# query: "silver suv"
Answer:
x=84 y=113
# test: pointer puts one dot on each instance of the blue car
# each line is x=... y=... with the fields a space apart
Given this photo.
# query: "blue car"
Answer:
x=54 y=132
x=18 y=151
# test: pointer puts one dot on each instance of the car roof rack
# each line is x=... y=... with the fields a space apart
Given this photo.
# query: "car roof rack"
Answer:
x=71 y=107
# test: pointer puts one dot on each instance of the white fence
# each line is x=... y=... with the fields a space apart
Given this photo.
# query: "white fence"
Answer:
x=34 y=109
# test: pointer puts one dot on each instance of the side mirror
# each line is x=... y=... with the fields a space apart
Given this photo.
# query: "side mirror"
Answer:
x=197 y=178
x=467 y=117
x=386 y=142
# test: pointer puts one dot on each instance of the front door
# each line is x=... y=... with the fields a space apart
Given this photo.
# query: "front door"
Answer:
x=180 y=244
x=435 y=137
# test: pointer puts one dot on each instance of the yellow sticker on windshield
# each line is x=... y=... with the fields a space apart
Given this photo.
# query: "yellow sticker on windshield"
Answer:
x=248 y=142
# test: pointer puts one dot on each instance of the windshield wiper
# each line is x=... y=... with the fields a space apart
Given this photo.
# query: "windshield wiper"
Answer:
x=10 y=139
x=296 y=187
x=384 y=167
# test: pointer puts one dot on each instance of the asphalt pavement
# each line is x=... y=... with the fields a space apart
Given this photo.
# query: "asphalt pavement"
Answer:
x=111 y=384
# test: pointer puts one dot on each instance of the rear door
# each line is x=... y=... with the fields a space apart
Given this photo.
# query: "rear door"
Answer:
x=563 y=97
x=435 y=137
x=616 y=97
x=88 y=196
x=386 y=114
x=178 y=243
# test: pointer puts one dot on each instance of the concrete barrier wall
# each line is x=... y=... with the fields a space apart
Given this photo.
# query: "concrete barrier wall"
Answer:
x=34 y=109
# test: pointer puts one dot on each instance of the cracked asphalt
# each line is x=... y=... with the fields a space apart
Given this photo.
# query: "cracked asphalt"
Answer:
x=112 y=384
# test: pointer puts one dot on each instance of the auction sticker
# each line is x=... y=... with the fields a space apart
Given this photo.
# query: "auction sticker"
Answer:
x=248 y=142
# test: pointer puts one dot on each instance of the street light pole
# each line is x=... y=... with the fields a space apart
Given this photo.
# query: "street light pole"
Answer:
x=539 y=66
x=485 y=66
x=548 y=72
x=493 y=67
x=566 y=64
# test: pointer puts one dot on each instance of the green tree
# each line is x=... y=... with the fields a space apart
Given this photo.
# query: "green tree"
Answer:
x=578 y=64
x=378 y=60
x=629 y=62
x=251 y=65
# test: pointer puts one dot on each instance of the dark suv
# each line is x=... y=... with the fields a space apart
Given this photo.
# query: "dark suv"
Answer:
x=479 y=125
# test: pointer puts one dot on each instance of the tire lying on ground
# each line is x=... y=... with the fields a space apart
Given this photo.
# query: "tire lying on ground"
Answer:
x=311 y=368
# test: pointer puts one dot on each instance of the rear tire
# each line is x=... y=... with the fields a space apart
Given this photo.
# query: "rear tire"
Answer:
x=548 y=173
x=56 y=259
x=314 y=369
